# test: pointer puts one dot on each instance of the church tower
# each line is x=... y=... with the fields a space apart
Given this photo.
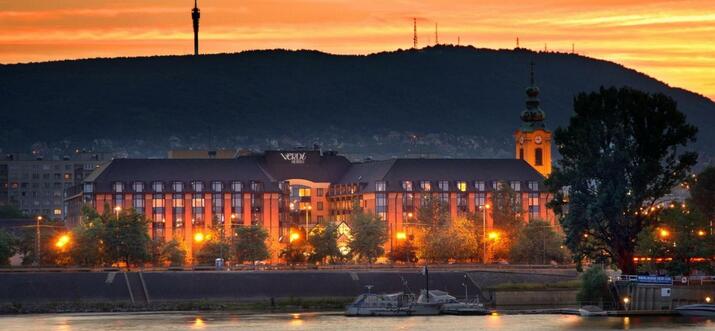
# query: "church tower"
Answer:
x=532 y=140
x=195 y=15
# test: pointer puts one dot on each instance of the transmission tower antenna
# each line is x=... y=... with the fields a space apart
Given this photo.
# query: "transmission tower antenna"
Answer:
x=573 y=48
x=414 y=32
x=517 y=42
x=436 y=34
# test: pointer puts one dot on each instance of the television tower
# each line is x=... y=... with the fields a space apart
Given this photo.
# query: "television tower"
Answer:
x=414 y=33
x=195 y=15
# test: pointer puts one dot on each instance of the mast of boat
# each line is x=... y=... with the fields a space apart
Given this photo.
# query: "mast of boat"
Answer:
x=425 y=271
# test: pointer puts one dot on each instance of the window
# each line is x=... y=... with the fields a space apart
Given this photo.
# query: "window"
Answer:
x=515 y=185
x=462 y=186
x=197 y=186
x=177 y=187
x=197 y=210
x=118 y=187
x=157 y=201
x=320 y=192
x=443 y=185
x=538 y=156
x=480 y=199
x=533 y=206
x=479 y=186
x=236 y=204
x=217 y=186
x=178 y=210
x=118 y=200
x=256 y=186
x=138 y=187
x=304 y=192
x=321 y=219
x=426 y=186
x=521 y=153
x=533 y=185
x=157 y=186
x=380 y=186
x=462 y=203
x=57 y=211
x=320 y=205
x=217 y=209
x=88 y=187
x=138 y=203
x=381 y=205
x=407 y=185
x=197 y=201
x=68 y=175
x=236 y=186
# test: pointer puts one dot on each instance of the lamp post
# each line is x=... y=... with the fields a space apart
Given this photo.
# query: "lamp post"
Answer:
x=484 y=229
x=307 y=218
x=117 y=210
x=37 y=240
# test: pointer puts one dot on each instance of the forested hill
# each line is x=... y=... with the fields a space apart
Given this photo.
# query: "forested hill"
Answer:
x=443 y=89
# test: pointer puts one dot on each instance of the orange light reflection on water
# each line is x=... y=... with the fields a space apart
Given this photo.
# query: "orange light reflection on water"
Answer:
x=198 y=324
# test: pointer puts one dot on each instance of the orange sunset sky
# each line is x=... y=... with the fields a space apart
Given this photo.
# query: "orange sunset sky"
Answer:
x=673 y=41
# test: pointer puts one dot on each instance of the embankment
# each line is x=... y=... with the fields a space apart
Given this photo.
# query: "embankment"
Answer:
x=111 y=291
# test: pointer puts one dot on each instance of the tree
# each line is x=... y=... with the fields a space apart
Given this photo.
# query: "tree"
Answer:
x=26 y=245
x=125 y=237
x=702 y=193
x=294 y=252
x=173 y=253
x=538 y=243
x=250 y=244
x=680 y=234
x=7 y=249
x=88 y=245
x=211 y=250
x=459 y=239
x=432 y=212
x=594 y=287
x=507 y=211
x=10 y=211
x=369 y=233
x=620 y=153
x=404 y=252
x=324 y=242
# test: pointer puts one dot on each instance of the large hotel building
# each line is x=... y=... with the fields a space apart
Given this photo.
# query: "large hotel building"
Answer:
x=285 y=191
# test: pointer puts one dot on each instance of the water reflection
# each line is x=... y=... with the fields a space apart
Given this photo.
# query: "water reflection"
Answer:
x=335 y=321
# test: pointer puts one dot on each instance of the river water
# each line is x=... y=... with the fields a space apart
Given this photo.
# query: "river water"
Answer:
x=335 y=321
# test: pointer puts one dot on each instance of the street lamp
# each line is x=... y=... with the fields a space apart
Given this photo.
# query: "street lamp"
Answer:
x=307 y=218
x=664 y=233
x=37 y=240
x=402 y=236
x=294 y=236
x=62 y=241
x=484 y=229
x=626 y=301
x=117 y=210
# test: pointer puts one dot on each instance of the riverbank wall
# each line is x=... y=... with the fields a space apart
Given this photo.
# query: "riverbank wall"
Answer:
x=107 y=291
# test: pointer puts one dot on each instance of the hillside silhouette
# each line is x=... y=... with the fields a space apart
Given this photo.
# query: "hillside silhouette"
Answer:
x=442 y=89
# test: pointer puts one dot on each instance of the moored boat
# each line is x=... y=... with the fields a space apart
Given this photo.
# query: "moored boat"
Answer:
x=702 y=309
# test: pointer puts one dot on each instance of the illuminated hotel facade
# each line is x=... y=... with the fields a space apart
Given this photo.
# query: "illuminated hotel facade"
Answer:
x=286 y=191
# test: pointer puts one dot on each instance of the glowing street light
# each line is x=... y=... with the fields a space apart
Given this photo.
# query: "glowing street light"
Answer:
x=198 y=237
x=401 y=235
x=626 y=301
x=708 y=299
x=701 y=233
x=62 y=241
x=664 y=233
x=117 y=210
x=294 y=236
x=493 y=236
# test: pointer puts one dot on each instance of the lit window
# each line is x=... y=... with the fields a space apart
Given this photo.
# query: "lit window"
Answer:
x=304 y=192
x=118 y=187
x=217 y=186
x=57 y=212
x=236 y=186
x=380 y=186
x=157 y=186
x=68 y=175
x=138 y=187
x=425 y=185
x=197 y=186
x=462 y=186
x=480 y=185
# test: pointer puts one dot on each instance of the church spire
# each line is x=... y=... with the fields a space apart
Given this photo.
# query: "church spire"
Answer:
x=532 y=117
